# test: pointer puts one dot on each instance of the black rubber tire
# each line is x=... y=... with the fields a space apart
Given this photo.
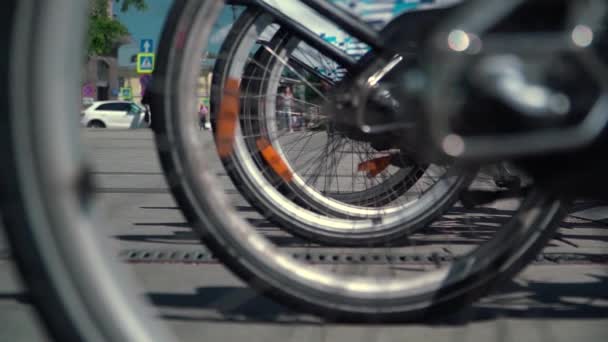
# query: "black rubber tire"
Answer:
x=45 y=192
x=219 y=227
x=96 y=124
x=240 y=176
x=373 y=196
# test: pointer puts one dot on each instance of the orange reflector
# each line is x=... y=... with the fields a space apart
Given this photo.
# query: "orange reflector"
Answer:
x=227 y=118
x=375 y=166
x=272 y=157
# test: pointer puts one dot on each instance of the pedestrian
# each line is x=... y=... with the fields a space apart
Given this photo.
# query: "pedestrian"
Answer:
x=286 y=105
x=203 y=113
x=146 y=101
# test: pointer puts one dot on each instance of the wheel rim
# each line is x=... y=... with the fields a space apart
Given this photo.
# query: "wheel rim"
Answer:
x=331 y=215
x=261 y=262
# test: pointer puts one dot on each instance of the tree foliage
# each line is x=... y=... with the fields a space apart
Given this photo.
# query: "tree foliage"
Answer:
x=139 y=5
x=104 y=30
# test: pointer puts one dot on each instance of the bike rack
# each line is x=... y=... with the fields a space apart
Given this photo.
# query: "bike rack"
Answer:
x=320 y=257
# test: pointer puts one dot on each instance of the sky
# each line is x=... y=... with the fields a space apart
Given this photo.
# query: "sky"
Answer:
x=142 y=25
x=148 y=24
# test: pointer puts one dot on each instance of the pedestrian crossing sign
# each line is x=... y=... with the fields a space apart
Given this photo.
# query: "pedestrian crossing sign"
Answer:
x=126 y=93
x=145 y=63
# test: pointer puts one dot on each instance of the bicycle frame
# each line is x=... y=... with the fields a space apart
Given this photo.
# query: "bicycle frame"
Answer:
x=298 y=63
x=301 y=32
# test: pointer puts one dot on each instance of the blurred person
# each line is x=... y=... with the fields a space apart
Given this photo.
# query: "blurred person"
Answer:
x=203 y=113
x=146 y=101
x=285 y=107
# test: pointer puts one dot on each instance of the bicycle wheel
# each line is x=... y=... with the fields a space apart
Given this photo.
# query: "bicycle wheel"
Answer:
x=320 y=69
x=383 y=291
x=45 y=200
x=317 y=161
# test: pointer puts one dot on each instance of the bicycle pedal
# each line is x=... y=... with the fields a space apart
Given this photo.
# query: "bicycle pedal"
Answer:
x=473 y=198
x=508 y=182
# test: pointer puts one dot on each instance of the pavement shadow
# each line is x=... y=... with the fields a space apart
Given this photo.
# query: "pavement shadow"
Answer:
x=242 y=208
x=586 y=204
x=458 y=227
x=19 y=297
x=164 y=224
x=558 y=300
x=245 y=208
x=176 y=238
x=227 y=304
x=596 y=213
x=464 y=227
x=190 y=237
x=536 y=300
x=270 y=230
x=160 y=208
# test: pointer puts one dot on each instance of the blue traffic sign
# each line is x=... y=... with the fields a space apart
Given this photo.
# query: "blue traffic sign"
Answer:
x=146 y=45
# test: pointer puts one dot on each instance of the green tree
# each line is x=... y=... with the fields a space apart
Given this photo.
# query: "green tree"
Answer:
x=139 y=5
x=104 y=30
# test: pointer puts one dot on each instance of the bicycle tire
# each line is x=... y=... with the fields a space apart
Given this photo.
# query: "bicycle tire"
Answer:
x=44 y=196
x=258 y=263
x=253 y=190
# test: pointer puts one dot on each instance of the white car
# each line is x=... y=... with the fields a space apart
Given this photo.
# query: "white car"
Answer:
x=114 y=114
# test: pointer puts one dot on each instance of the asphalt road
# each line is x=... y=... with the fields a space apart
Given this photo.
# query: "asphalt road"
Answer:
x=203 y=301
